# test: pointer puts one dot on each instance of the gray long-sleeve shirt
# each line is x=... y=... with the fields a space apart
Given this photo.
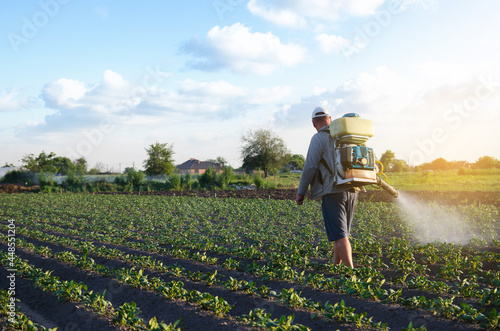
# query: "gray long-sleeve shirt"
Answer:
x=319 y=166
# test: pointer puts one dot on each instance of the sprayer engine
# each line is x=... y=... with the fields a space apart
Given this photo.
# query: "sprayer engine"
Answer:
x=357 y=157
x=355 y=162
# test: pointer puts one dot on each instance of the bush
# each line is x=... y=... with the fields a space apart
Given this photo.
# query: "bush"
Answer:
x=262 y=183
x=23 y=177
x=46 y=181
x=121 y=180
x=128 y=188
x=243 y=180
x=465 y=171
x=187 y=182
x=174 y=182
x=258 y=181
x=102 y=185
x=94 y=171
x=136 y=177
x=209 y=179
x=155 y=185
x=73 y=181
x=226 y=177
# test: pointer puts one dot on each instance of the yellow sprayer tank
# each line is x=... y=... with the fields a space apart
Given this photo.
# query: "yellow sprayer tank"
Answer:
x=351 y=129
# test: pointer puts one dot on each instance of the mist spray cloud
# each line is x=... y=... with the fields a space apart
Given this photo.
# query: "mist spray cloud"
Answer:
x=433 y=222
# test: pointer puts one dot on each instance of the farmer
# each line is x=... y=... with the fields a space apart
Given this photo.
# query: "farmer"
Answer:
x=338 y=202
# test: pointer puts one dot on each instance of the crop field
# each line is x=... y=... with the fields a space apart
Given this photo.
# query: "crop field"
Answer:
x=129 y=262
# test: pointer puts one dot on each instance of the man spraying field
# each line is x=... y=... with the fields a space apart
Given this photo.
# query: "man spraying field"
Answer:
x=338 y=202
x=338 y=165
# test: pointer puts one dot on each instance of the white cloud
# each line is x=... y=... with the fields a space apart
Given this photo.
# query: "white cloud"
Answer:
x=211 y=89
x=379 y=95
x=362 y=7
x=294 y=13
x=112 y=94
x=426 y=4
x=210 y=109
x=63 y=93
x=319 y=90
x=337 y=44
x=113 y=81
x=435 y=72
x=119 y=101
x=9 y=101
x=280 y=16
x=269 y=96
x=237 y=48
x=408 y=113
x=203 y=99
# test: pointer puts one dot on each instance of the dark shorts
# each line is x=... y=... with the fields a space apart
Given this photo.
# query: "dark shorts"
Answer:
x=338 y=212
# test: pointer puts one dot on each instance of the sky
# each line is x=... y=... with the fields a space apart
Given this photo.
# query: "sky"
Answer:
x=105 y=79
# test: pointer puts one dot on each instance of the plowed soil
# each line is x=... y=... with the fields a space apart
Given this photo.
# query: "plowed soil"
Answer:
x=442 y=197
x=44 y=308
x=448 y=198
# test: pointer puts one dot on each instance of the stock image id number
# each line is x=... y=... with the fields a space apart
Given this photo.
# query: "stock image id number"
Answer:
x=11 y=241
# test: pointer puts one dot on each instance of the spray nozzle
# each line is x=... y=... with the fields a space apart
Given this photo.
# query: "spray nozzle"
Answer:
x=388 y=188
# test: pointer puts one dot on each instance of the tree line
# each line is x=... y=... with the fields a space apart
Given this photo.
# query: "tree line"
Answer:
x=392 y=164
x=261 y=150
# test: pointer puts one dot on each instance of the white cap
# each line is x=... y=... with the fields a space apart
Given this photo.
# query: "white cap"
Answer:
x=320 y=112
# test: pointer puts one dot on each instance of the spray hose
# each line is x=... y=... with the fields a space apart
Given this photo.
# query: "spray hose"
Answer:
x=383 y=184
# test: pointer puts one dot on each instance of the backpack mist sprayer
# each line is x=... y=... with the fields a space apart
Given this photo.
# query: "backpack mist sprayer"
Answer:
x=354 y=162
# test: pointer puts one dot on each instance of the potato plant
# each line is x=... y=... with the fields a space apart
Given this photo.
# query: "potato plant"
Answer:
x=258 y=253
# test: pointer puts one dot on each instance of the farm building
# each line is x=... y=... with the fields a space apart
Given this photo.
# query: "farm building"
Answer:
x=197 y=167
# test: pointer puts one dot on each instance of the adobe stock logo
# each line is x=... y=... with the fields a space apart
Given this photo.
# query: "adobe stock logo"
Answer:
x=369 y=31
x=455 y=116
x=31 y=27
x=93 y=138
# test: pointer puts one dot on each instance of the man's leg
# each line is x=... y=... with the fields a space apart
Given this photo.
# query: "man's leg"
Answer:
x=338 y=213
x=342 y=252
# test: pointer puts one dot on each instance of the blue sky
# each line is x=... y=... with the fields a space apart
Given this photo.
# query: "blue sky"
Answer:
x=106 y=79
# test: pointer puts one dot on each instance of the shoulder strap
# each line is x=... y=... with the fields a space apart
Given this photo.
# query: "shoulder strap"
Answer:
x=325 y=164
x=323 y=161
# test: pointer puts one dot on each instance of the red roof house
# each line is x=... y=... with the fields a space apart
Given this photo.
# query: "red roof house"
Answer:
x=197 y=167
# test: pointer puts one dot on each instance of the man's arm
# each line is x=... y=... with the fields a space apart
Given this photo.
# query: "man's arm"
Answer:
x=314 y=154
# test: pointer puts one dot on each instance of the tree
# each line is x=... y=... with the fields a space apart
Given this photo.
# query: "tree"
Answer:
x=226 y=176
x=160 y=161
x=64 y=165
x=486 y=162
x=187 y=181
x=218 y=160
x=81 y=165
x=264 y=150
x=127 y=170
x=209 y=179
x=437 y=164
x=41 y=163
x=440 y=164
x=135 y=177
x=399 y=166
x=297 y=161
x=94 y=171
x=387 y=158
